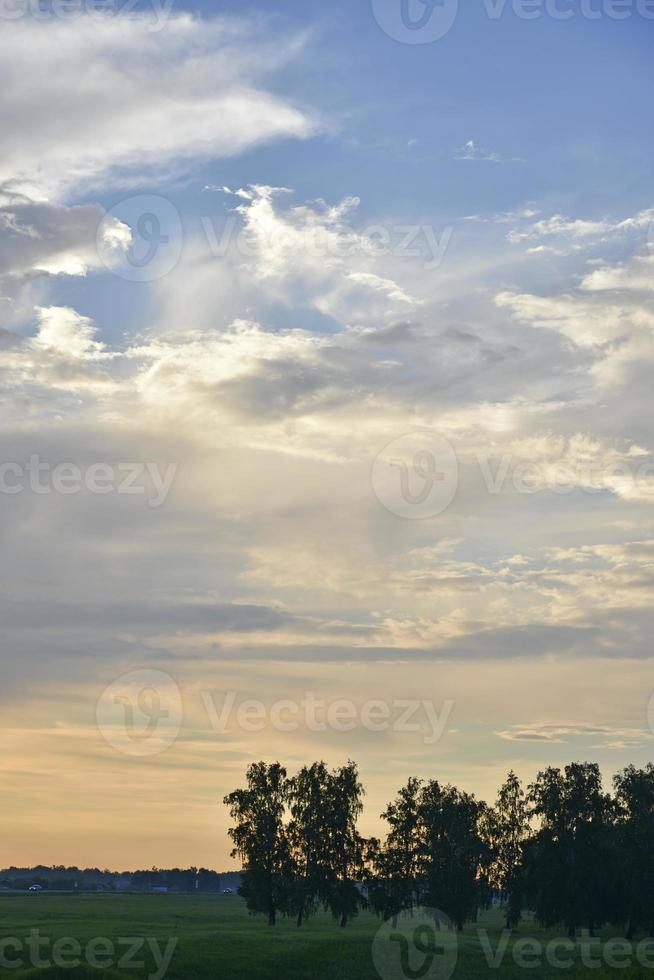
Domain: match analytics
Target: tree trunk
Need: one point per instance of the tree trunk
(343, 920)
(300, 918)
(272, 918)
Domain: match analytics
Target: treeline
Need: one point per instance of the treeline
(562, 847)
(60, 878)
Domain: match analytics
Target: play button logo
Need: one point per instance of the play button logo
(416, 21)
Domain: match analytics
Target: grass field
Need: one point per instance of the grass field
(218, 940)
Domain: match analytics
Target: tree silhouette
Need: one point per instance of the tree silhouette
(509, 823)
(260, 839)
(452, 850)
(635, 843)
(566, 850)
(308, 833)
(568, 855)
(346, 847)
(395, 884)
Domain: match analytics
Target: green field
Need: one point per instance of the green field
(217, 939)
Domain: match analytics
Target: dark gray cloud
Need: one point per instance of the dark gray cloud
(37, 235)
(156, 617)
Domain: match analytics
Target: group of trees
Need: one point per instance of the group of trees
(562, 847)
(73, 879)
(298, 840)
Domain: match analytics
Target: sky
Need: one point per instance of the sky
(326, 334)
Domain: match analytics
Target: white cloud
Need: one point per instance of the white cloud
(61, 362)
(308, 257)
(503, 217)
(472, 151)
(387, 286)
(66, 333)
(96, 97)
(557, 733)
(636, 274)
(558, 225)
(608, 313)
(51, 238)
(583, 320)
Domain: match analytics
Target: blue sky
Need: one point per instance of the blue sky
(569, 96)
(345, 347)
(564, 103)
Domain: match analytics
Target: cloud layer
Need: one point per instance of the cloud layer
(297, 337)
(151, 100)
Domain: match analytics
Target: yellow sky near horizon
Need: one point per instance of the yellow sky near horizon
(70, 797)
